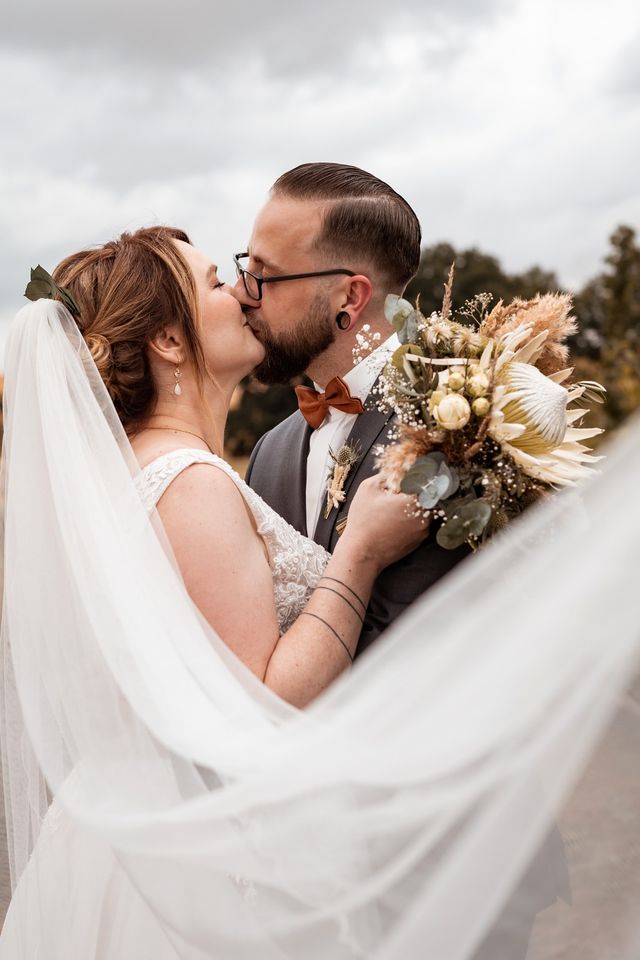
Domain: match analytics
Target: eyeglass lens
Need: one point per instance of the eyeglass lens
(251, 285)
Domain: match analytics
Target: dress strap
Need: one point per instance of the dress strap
(155, 477)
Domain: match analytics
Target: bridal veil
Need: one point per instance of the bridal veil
(161, 803)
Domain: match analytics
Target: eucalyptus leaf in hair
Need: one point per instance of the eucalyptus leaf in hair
(43, 286)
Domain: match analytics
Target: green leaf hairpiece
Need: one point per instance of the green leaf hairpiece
(43, 286)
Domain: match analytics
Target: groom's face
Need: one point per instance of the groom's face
(295, 318)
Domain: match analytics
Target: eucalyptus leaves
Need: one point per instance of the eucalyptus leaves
(430, 479)
(434, 483)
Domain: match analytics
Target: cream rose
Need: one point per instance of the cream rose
(436, 397)
(453, 412)
(478, 384)
(481, 407)
(456, 380)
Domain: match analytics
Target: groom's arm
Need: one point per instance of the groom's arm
(400, 584)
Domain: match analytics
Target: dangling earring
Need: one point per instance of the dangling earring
(343, 320)
(177, 374)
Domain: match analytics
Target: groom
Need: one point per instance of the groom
(328, 246)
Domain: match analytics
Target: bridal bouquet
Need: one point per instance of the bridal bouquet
(486, 416)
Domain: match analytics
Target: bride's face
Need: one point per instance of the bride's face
(229, 345)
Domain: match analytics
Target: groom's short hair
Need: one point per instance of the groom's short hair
(364, 217)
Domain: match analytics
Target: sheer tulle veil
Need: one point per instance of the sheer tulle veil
(162, 803)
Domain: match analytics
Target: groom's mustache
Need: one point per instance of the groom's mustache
(252, 320)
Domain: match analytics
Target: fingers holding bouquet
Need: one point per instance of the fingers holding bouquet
(387, 524)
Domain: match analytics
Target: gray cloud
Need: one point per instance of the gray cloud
(498, 130)
(138, 91)
(288, 37)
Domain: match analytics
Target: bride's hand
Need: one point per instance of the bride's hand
(382, 527)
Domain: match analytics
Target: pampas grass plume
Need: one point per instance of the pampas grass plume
(546, 311)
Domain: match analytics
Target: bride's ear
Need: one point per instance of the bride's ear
(168, 345)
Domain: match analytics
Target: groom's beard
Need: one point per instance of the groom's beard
(287, 355)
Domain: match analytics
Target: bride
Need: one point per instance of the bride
(155, 663)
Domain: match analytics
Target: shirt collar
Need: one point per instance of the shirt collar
(362, 376)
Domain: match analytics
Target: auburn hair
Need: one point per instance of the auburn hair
(127, 290)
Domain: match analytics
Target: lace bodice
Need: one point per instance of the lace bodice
(297, 563)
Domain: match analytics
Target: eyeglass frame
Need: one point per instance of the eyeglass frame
(241, 271)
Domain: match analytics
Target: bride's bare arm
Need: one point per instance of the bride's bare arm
(225, 569)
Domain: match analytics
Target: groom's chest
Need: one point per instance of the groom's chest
(363, 434)
(324, 445)
(282, 469)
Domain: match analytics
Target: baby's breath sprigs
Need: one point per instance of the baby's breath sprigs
(366, 343)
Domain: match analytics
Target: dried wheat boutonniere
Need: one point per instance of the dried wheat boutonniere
(343, 460)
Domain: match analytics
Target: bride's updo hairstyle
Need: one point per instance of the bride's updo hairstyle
(127, 290)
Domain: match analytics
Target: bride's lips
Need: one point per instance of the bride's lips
(247, 323)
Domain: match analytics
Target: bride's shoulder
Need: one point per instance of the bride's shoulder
(149, 449)
(202, 507)
(185, 478)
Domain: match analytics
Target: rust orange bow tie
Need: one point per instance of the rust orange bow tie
(314, 406)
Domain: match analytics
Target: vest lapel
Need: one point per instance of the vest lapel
(296, 471)
(364, 433)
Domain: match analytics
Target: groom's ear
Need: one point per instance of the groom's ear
(357, 293)
(168, 345)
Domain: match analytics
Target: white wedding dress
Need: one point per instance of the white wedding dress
(196, 815)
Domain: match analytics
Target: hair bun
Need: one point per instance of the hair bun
(100, 350)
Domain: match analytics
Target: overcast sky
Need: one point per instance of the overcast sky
(510, 124)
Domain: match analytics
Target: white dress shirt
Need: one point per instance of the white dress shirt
(335, 429)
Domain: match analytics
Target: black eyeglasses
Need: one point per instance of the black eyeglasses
(253, 283)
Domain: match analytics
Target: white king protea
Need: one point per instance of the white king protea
(531, 418)
(537, 404)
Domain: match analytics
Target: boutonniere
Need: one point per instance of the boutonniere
(343, 460)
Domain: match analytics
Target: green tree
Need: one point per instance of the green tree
(590, 308)
(608, 312)
(476, 272)
(258, 408)
(622, 285)
(621, 328)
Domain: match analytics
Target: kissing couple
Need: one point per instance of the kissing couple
(191, 769)
(172, 343)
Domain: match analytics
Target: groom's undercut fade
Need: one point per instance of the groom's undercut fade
(364, 217)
